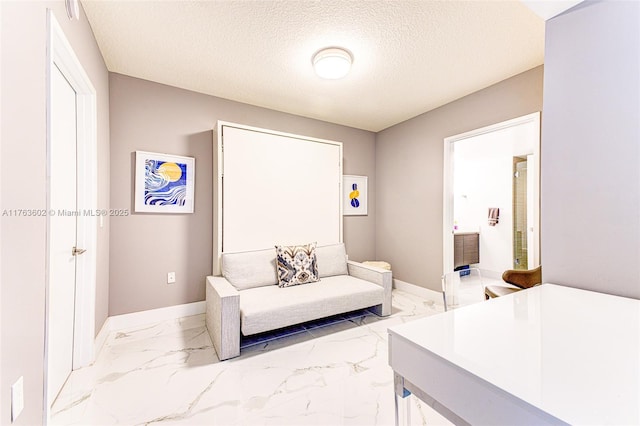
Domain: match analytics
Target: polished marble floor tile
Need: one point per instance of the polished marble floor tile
(330, 372)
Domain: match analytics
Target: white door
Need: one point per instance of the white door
(62, 267)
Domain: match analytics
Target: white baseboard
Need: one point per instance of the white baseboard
(152, 316)
(137, 319)
(423, 292)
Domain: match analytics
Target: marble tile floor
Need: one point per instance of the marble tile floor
(331, 372)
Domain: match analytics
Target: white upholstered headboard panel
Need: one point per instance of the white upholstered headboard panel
(275, 188)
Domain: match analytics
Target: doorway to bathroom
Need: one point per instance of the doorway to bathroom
(491, 189)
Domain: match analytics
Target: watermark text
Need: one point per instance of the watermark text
(64, 212)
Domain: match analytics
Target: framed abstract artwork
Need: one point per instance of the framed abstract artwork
(354, 199)
(164, 183)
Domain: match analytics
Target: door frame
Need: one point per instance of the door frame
(61, 55)
(447, 200)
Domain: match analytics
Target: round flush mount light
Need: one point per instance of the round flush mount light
(332, 63)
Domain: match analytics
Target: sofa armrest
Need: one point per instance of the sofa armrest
(379, 276)
(223, 317)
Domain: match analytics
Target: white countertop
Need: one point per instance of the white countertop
(465, 232)
(572, 353)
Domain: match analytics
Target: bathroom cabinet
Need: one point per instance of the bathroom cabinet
(466, 248)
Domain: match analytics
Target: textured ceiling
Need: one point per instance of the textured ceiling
(409, 56)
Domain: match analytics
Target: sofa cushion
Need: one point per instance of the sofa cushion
(296, 264)
(272, 307)
(249, 269)
(332, 260)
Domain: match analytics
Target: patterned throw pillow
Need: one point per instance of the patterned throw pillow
(296, 265)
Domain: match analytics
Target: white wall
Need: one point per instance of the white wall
(483, 178)
(154, 117)
(591, 148)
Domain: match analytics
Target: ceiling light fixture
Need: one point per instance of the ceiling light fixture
(332, 63)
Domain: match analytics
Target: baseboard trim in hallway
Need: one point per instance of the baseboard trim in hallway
(416, 290)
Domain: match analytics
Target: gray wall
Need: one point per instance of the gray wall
(24, 185)
(591, 149)
(409, 172)
(144, 247)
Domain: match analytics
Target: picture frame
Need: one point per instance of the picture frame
(164, 183)
(354, 199)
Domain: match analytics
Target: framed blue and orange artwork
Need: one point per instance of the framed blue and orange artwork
(164, 183)
(354, 199)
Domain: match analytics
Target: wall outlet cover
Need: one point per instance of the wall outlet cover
(171, 277)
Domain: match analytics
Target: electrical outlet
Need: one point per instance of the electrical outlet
(17, 398)
(171, 277)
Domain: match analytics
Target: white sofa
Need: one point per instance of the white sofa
(247, 298)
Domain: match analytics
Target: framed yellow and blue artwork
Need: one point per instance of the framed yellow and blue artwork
(354, 199)
(164, 183)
